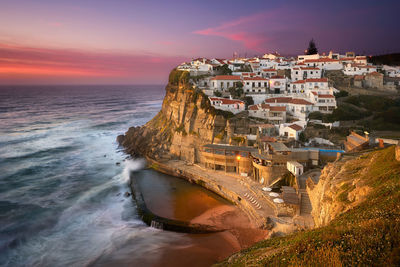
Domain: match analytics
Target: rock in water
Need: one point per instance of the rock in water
(127, 194)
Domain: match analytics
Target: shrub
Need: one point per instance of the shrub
(341, 94)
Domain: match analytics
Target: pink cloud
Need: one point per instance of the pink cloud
(241, 30)
(23, 64)
(289, 28)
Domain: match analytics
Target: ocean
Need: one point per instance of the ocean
(63, 179)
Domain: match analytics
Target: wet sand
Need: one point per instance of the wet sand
(211, 248)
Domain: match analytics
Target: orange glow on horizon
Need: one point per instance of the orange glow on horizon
(48, 71)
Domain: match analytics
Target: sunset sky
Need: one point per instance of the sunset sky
(139, 42)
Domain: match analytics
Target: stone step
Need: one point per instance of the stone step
(305, 207)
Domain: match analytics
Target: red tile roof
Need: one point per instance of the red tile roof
(226, 77)
(358, 77)
(254, 79)
(309, 68)
(299, 81)
(226, 101)
(299, 101)
(277, 77)
(326, 96)
(321, 60)
(268, 70)
(265, 106)
(253, 107)
(277, 108)
(375, 73)
(296, 127)
(320, 80)
(278, 100)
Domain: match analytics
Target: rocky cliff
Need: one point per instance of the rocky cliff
(339, 189)
(185, 122)
(356, 208)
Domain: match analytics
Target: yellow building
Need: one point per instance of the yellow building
(228, 158)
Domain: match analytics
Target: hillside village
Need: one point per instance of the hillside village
(284, 91)
(281, 101)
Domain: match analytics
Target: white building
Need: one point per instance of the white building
(358, 69)
(297, 87)
(296, 107)
(295, 168)
(236, 64)
(321, 86)
(274, 114)
(277, 84)
(233, 105)
(391, 71)
(324, 103)
(224, 82)
(302, 58)
(255, 85)
(268, 73)
(361, 60)
(290, 131)
(302, 73)
(324, 63)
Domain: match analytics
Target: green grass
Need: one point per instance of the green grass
(366, 235)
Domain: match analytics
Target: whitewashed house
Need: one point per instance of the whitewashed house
(277, 84)
(233, 105)
(274, 114)
(290, 131)
(391, 71)
(357, 69)
(362, 60)
(321, 86)
(302, 58)
(324, 103)
(255, 85)
(224, 82)
(302, 73)
(297, 87)
(324, 63)
(268, 73)
(295, 168)
(296, 107)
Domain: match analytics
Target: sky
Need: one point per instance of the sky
(139, 42)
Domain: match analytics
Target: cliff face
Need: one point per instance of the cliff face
(338, 190)
(185, 123)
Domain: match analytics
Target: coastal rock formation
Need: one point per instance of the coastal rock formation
(185, 122)
(339, 188)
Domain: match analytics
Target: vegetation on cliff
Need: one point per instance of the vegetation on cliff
(373, 112)
(368, 234)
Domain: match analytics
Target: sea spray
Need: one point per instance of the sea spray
(130, 166)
